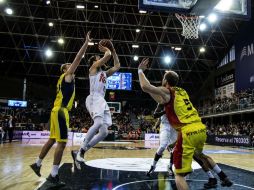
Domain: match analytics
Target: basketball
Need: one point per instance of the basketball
(106, 43)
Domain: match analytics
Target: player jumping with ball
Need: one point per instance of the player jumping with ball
(95, 102)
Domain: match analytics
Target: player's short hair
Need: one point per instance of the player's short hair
(91, 60)
(171, 77)
(63, 66)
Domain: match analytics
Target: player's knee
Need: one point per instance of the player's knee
(104, 132)
(98, 121)
(161, 150)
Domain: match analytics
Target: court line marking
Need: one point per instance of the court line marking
(133, 182)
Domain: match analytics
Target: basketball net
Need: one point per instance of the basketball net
(190, 25)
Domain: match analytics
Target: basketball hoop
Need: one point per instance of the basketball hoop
(190, 25)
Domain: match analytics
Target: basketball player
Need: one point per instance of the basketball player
(95, 102)
(172, 137)
(59, 118)
(185, 119)
(168, 136)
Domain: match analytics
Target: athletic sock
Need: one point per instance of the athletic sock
(38, 162)
(54, 170)
(210, 174)
(216, 169)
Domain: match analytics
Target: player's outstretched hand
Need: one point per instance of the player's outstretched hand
(144, 64)
(88, 39)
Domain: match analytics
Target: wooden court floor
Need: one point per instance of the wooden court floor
(16, 157)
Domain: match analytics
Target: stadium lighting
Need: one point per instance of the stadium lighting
(142, 12)
(48, 53)
(2, 1)
(96, 6)
(47, 2)
(224, 5)
(80, 6)
(137, 30)
(178, 48)
(90, 43)
(167, 59)
(135, 58)
(9, 11)
(202, 50)
(135, 46)
(51, 24)
(202, 27)
(212, 18)
(60, 40)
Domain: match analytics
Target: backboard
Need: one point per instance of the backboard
(239, 9)
(114, 107)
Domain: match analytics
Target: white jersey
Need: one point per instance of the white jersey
(164, 119)
(98, 84)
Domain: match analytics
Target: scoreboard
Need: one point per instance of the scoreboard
(120, 81)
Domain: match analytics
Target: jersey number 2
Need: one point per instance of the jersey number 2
(188, 104)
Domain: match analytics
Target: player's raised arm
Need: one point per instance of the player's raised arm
(116, 66)
(103, 60)
(78, 57)
(159, 94)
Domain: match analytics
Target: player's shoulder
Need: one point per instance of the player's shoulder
(179, 90)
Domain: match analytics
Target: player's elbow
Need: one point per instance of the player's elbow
(145, 88)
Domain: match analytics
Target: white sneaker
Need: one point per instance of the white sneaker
(77, 159)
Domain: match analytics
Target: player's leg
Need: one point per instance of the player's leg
(103, 130)
(36, 167)
(225, 181)
(191, 137)
(61, 138)
(172, 142)
(182, 158)
(164, 139)
(98, 122)
(212, 181)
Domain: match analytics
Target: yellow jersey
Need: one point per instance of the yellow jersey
(180, 110)
(65, 93)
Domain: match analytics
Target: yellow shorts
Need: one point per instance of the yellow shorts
(59, 124)
(190, 138)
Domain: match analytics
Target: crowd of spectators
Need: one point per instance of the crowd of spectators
(131, 124)
(237, 101)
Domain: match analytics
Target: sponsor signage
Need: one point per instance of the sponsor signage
(152, 137)
(36, 135)
(226, 78)
(229, 140)
(244, 47)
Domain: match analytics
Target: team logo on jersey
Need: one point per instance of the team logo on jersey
(102, 78)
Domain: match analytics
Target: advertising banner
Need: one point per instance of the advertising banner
(229, 140)
(152, 137)
(36, 135)
(244, 47)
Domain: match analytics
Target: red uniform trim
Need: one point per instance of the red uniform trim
(178, 152)
(170, 110)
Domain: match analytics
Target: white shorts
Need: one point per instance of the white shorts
(168, 135)
(98, 107)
